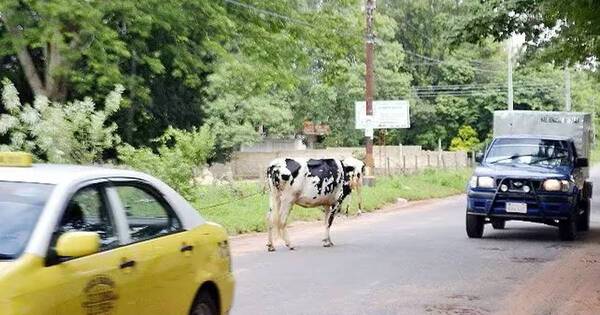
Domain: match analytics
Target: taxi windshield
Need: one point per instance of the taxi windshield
(20, 206)
(539, 152)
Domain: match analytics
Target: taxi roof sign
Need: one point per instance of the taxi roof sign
(15, 159)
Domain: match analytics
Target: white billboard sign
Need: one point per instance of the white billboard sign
(386, 115)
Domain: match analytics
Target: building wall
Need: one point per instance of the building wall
(389, 160)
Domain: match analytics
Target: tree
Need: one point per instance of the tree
(466, 140)
(75, 132)
(558, 30)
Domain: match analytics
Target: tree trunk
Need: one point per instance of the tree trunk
(55, 85)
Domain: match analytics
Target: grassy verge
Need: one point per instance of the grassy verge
(247, 211)
(595, 155)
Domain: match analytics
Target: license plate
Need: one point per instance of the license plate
(516, 207)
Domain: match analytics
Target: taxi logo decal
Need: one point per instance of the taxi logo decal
(100, 296)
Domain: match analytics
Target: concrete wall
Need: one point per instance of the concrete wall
(389, 160)
(273, 145)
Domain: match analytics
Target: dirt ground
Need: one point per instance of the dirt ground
(569, 285)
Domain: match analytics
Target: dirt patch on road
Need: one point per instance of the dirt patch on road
(569, 285)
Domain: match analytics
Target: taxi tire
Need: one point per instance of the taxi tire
(498, 224)
(583, 220)
(475, 225)
(567, 229)
(205, 304)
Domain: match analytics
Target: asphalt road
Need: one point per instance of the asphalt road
(414, 260)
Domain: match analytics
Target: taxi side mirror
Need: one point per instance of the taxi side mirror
(77, 244)
(479, 157)
(581, 162)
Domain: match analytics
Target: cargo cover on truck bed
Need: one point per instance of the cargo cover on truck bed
(574, 125)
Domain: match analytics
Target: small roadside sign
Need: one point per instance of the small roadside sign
(386, 115)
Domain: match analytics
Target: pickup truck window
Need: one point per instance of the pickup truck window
(539, 152)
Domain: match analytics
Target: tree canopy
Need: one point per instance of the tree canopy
(249, 68)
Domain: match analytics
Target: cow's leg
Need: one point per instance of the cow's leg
(270, 223)
(348, 202)
(285, 208)
(329, 215)
(274, 205)
(360, 199)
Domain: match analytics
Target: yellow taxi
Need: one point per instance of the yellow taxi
(100, 241)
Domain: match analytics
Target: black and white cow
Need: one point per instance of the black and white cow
(308, 183)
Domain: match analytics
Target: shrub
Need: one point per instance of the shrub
(177, 160)
(75, 132)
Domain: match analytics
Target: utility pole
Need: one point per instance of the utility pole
(510, 81)
(567, 88)
(370, 85)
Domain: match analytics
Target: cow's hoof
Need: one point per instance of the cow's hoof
(327, 243)
(270, 248)
(359, 212)
(291, 247)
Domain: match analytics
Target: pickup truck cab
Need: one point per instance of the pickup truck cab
(530, 178)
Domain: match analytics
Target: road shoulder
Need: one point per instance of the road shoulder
(569, 285)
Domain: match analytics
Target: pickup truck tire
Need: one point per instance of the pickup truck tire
(498, 224)
(583, 219)
(475, 225)
(567, 229)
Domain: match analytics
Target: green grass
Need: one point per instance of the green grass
(247, 209)
(595, 155)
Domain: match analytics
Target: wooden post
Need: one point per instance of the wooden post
(404, 163)
(428, 161)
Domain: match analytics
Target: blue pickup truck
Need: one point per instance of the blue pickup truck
(536, 170)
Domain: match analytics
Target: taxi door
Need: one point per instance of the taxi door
(163, 249)
(98, 284)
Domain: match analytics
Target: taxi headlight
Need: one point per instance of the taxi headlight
(486, 182)
(557, 185)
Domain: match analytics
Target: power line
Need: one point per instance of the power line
(269, 13)
(438, 61)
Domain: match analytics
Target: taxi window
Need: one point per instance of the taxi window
(20, 207)
(148, 215)
(87, 212)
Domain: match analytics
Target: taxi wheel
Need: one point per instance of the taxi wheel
(567, 229)
(498, 224)
(204, 305)
(475, 225)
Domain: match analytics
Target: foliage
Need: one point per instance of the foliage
(177, 160)
(253, 68)
(75, 132)
(555, 29)
(466, 140)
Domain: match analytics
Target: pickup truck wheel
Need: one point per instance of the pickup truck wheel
(567, 229)
(498, 224)
(475, 225)
(583, 219)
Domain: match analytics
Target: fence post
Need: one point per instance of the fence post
(387, 165)
(416, 162)
(403, 163)
(443, 162)
(428, 161)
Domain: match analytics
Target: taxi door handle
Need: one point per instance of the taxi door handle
(187, 248)
(128, 264)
